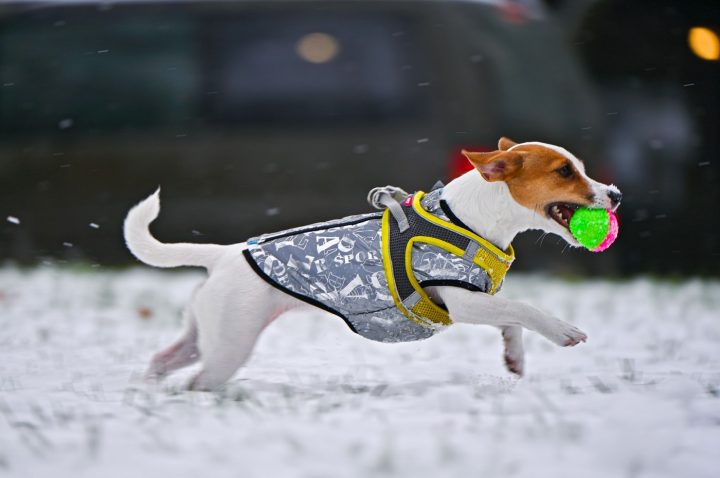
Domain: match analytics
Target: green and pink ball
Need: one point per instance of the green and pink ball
(594, 229)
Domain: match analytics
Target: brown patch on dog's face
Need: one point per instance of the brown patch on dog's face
(539, 178)
(548, 177)
(546, 180)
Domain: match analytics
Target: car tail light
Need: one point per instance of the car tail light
(459, 164)
(514, 12)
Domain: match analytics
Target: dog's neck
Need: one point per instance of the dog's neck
(488, 208)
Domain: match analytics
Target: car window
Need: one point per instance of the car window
(83, 69)
(312, 67)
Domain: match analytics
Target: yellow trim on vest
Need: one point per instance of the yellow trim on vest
(387, 265)
(425, 312)
(426, 307)
(491, 258)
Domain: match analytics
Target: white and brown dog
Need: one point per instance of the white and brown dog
(516, 188)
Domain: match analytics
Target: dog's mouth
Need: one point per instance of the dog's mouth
(562, 212)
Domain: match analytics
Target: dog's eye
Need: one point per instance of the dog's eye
(565, 171)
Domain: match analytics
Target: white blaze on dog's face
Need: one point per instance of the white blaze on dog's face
(546, 179)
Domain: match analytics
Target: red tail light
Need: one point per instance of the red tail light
(459, 164)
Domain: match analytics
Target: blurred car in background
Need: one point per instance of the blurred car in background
(256, 116)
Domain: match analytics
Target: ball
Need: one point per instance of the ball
(594, 229)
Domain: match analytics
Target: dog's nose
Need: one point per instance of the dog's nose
(615, 197)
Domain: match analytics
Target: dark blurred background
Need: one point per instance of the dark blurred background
(256, 116)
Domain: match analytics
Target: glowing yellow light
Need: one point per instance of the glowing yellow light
(317, 47)
(704, 43)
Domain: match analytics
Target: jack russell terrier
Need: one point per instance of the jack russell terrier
(402, 274)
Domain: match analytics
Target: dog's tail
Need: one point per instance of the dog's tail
(155, 253)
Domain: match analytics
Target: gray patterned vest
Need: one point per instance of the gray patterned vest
(338, 266)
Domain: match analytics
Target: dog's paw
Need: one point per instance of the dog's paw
(564, 334)
(514, 352)
(205, 381)
(515, 364)
(575, 337)
(154, 374)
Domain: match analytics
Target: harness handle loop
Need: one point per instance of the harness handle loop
(390, 197)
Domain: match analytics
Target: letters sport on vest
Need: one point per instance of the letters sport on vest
(370, 271)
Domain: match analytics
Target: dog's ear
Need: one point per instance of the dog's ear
(505, 143)
(496, 165)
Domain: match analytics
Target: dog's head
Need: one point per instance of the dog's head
(546, 179)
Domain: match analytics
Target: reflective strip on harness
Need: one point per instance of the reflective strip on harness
(397, 249)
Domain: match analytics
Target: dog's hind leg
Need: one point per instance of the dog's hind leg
(225, 348)
(232, 309)
(221, 362)
(514, 352)
(181, 353)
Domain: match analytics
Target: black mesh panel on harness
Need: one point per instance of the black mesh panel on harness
(399, 241)
(410, 224)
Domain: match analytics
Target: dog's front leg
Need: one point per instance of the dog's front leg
(514, 354)
(477, 308)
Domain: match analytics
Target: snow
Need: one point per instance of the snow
(640, 399)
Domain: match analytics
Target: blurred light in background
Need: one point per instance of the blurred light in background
(318, 47)
(704, 43)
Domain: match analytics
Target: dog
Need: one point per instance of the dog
(518, 187)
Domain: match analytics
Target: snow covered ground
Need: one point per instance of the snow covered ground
(640, 399)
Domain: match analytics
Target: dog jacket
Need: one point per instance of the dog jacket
(370, 269)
